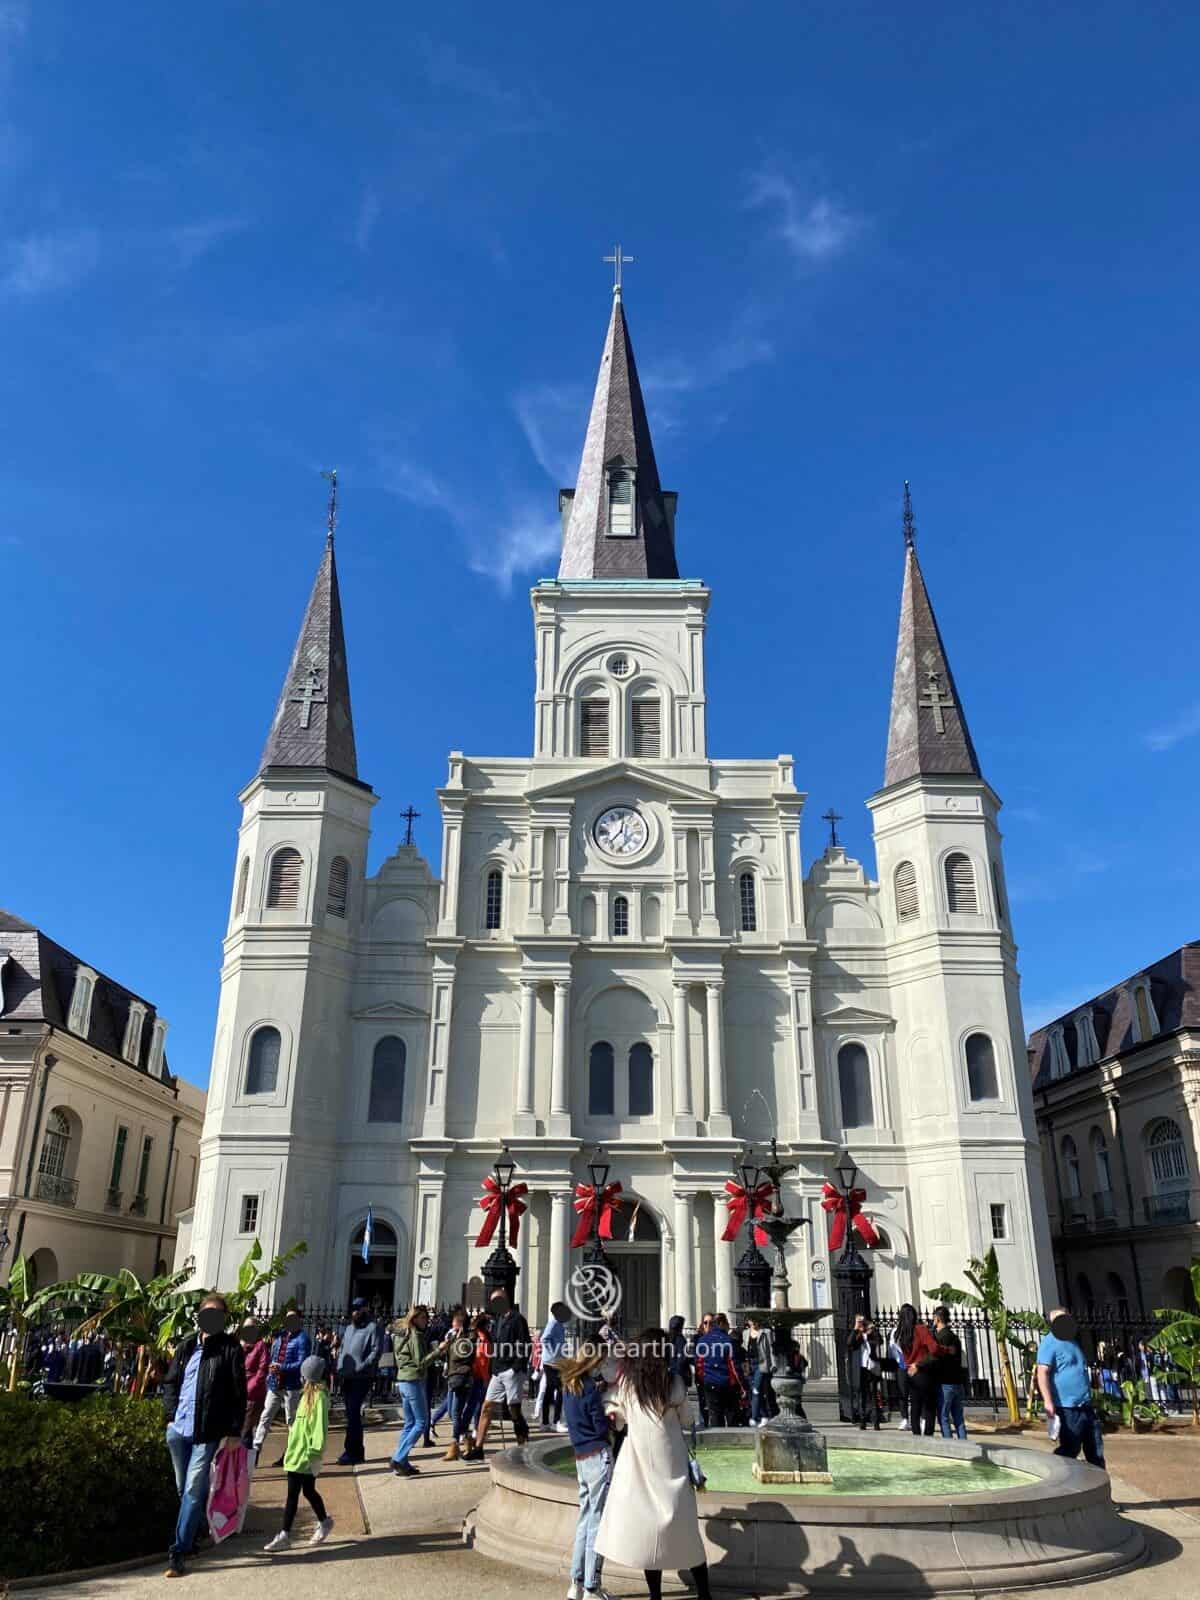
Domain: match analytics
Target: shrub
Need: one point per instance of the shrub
(82, 1485)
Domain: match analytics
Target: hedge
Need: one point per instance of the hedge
(82, 1485)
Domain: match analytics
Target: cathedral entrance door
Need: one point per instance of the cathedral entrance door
(374, 1280)
(637, 1262)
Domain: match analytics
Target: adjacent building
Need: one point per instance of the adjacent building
(1117, 1090)
(99, 1142)
(620, 947)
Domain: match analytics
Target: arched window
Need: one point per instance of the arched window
(1070, 1155)
(593, 727)
(882, 1238)
(1116, 1294)
(1168, 1158)
(641, 1080)
(620, 917)
(601, 1100)
(56, 1145)
(283, 881)
(982, 1082)
(997, 891)
(854, 1085)
(1083, 1288)
(747, 904)
(646, 727)
(243, 885)
(960, 883)
(587, 916)
(651, 917)
(338, 891)
(1100, 1161)
(494, 904)
(387, 1081)
(262, 1068)
(908, 901)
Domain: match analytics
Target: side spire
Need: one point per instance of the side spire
(618, 522)
(313, 725)
(928, 734)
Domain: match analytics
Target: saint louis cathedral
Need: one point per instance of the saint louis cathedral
(620, 948)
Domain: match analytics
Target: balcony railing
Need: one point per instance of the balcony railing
(1168, 1207)
(112, 1200)
(137, 1206)
(1104, 1208)
(58, 1191)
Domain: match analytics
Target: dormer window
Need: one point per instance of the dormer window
(131, 1047)
(1060, 1062)
(158, 1044)
(622, 522)
(1087, 1047)
(79, 1018)
(1145, 1022)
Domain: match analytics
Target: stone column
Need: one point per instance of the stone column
(525, 1120)
(525, 1290)
(684, 1114)
(685, 1265)
(560, 1232)
(560, 1099)
(723, 1256)
(718, 1107)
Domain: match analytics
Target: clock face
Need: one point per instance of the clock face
(621, 831)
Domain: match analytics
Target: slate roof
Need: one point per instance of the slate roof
(37, 979)
(618, 431)
(917, 745)
(1174, 989)
(313, 726)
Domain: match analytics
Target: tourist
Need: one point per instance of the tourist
(204, 1397)
(762, 1364)
(511, 1347)
(587, 1424)
(290, 1349)
(302, 1458)
(554, 1344)
(894, 1362)
(702, 1327)
(414, 1356)
(481, 1373)
(360, 1347)
(864, 1369)
(1062, 1378)
(951, 1375)
(650, 1518)
(920, 1354)
(681, 1367)
(460, 1375)
(439, 1327)
(257, 1356)
(717, 1375)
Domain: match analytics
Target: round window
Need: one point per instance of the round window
(619, 666)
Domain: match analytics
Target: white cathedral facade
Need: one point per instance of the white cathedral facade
(621, 949)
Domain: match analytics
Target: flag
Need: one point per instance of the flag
(368, 1232)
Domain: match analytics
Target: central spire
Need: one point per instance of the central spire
(618, 522)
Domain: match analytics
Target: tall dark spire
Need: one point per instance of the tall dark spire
(928, 734)
(618, 441)
(313, 726)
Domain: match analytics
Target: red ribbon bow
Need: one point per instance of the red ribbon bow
(490, 1202)
(835, 1202)
(585, 1204)
(756, 1202)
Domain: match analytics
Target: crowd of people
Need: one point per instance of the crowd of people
(925, 1362)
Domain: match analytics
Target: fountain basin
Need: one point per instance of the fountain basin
(1055, 1523)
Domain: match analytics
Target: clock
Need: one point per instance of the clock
(621, 831)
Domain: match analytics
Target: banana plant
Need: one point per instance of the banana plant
(1010, 1327)
(253, 1278)
(150, 1313)
(1180, 1339)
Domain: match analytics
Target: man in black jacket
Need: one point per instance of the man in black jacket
(204, 1394)
(511, 1349)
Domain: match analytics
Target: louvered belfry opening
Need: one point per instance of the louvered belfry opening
(908, 902)
(283, 883)
(339, 887)
(647, 728)
(620, 503)
(593, 728)
(960, 883)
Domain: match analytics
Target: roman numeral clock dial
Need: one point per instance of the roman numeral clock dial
(620, 831)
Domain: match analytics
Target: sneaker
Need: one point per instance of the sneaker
(281, 1541)
(561, 1427)
(575, 1592)
(902, 1425)
(405, 1469)
(322, 1531)
(349, 1461)
(596, 1594)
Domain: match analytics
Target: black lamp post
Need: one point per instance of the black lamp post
(500, 1269)
(753, 1270)
(598, 1170)
(852, 1284)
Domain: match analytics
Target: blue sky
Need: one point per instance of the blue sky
(242, 242)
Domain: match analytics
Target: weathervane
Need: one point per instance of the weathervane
(833, 817)
(409, 816)
(910, 527)
(618, 261)
(331, 479)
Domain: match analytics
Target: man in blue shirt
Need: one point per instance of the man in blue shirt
(554, 1350)
(290, 1349)
(1066, 1388)
(718, 1374)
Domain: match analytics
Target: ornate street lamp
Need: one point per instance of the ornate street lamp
(753, 1270)
(500, 1269)
(852, 1276)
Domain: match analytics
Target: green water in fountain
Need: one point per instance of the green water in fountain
(855, 1472)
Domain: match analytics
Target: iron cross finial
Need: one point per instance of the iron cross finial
(833, 817)
(910, 527)
(618, 261)
(409, 816)
(330, 477)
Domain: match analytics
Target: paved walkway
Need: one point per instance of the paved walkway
(403, 1536)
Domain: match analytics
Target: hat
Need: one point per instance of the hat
(313, 1370)
(358, 1305)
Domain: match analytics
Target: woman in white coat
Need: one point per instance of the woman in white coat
(650, 1518)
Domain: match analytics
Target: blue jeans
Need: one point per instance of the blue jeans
(473, 1405)
(1080, 1431)
(414, 1397)
(191, 1462)
(761, 1397)
(950, 1411)
(594, 1474)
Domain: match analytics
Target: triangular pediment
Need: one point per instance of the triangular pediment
(856, 1017)
(623, 771)
(391, 1011)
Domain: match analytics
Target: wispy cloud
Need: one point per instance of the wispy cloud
(57, 260)
(815, 228)
(189, 241)
(1058, 878)
(448, 70)
(552, 417)
(46, 263)
(14, 28)
(370, 209)
(525, 543)
(1185, 726)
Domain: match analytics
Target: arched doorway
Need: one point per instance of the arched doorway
(374, 1280)
(635, 1254)
(1177, 1290)
(45, 1267)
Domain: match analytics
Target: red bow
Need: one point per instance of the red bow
(585, 1204)
(755, 1202)
(835, 1202)
(490, 1202)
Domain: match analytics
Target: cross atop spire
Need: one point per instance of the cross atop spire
(910, 527)
(618, 260)
(331, 524)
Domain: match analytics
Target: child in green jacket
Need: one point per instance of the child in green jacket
(302, 1459)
